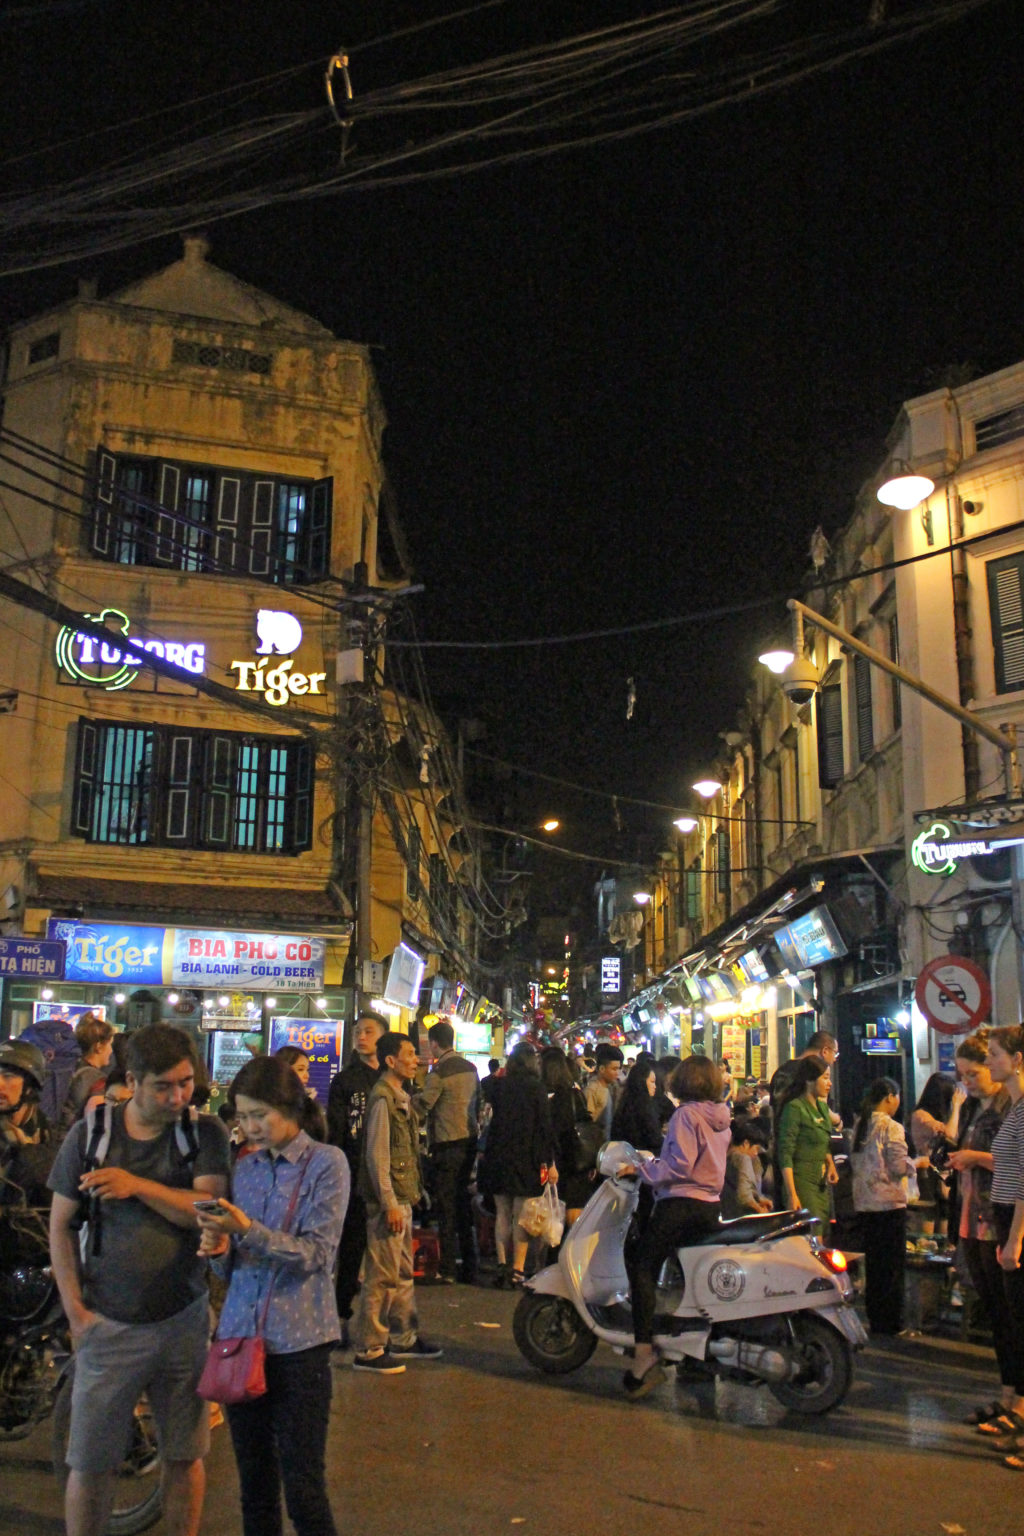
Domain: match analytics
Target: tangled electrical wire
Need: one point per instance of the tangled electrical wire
(632, 78)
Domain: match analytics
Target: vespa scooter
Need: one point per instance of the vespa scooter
(758, 1300)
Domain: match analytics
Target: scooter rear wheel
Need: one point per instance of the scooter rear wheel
(826, 1367)
(551, 1334)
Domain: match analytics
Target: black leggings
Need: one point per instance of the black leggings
(987, 1279)
(1013, 1290)
(673, 1224)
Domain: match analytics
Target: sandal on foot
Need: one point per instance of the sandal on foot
(639, 1386)
(984, 1413)
(1007, 1422)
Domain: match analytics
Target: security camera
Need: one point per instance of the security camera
(800, 681)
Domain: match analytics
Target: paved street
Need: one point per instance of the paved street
(478, 1443)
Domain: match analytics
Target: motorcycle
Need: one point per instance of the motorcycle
(34, 1345)
(36, 1374)
(758, 1300)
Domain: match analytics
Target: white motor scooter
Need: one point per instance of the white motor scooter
(759, 1299)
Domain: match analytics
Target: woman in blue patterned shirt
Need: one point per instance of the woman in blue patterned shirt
(1005, 1060)
(282, 1436)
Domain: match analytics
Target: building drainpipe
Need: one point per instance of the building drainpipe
(962, 638)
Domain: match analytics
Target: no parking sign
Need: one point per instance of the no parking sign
(953, 994)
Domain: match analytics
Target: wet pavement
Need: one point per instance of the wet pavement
(479, 1443)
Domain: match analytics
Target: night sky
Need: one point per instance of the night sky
(623, 383)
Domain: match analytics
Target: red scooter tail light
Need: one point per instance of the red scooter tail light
(833, 1259)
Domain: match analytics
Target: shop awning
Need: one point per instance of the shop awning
(279, 906)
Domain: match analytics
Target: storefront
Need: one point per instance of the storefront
(235, 990)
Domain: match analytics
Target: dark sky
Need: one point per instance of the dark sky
(625, 382)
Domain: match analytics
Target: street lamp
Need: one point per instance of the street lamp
(642, 898)
(777, 661)
(685, 823)
(707, 788)
(551, 825)
(905, 489)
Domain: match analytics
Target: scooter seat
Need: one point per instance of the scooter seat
(747, 1229)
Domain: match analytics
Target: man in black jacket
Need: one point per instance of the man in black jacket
(346, 1118)
(449, 1099)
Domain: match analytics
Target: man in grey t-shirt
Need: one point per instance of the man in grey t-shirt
(136, 1301)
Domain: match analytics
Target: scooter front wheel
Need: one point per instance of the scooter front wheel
(824, 1367)
(551, 1334)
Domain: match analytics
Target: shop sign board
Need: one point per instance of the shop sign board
(810, 940)
(611, 975)
(320, 1039)
(137, 956)
(953, 994)
(32, 959)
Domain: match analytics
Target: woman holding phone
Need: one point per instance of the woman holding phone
(276, 1241)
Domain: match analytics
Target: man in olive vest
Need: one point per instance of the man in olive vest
(389, 1182)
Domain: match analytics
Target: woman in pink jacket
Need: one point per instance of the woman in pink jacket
(687, 1181)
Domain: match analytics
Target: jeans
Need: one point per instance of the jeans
(673, 1224)
(884, 1235)
(281, 1438)
(453, 1169)
(387, 1306)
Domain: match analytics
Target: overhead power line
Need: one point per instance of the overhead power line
(597, 88)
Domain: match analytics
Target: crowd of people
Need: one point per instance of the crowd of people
(307, 1214)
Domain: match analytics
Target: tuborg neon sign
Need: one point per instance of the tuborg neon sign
(105, 664)
(938, 851)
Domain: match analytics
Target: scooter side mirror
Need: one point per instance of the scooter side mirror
(612, 1156)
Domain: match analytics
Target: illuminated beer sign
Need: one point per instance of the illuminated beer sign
(938, 851)
(115, 663)
(109, 665)
(279, 634)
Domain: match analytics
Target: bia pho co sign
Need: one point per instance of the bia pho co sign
(937, 851)
(112, 664)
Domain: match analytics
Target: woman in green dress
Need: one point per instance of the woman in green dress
(804, 1138)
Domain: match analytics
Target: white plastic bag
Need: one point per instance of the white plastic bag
(544, 1216)
(554, 1224)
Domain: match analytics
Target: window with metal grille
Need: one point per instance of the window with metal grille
(1004, 427)
(162, 786)
(1006, 607)
(197, 354)
(863, 706)
(201, 517)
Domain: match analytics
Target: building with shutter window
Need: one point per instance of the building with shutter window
(866, 832)
(197, 467)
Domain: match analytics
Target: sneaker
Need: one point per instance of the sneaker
(419, 1349)
(383, 1364)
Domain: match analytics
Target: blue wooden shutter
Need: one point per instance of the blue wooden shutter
(300, 770)
(179, 789)
(86, 760)
(317, 542)
(224, 553)
(166, 528)
(1006, 605)
(829, 712)
(262, 523)
(219, 791)
(101, 537)
(865, 712)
